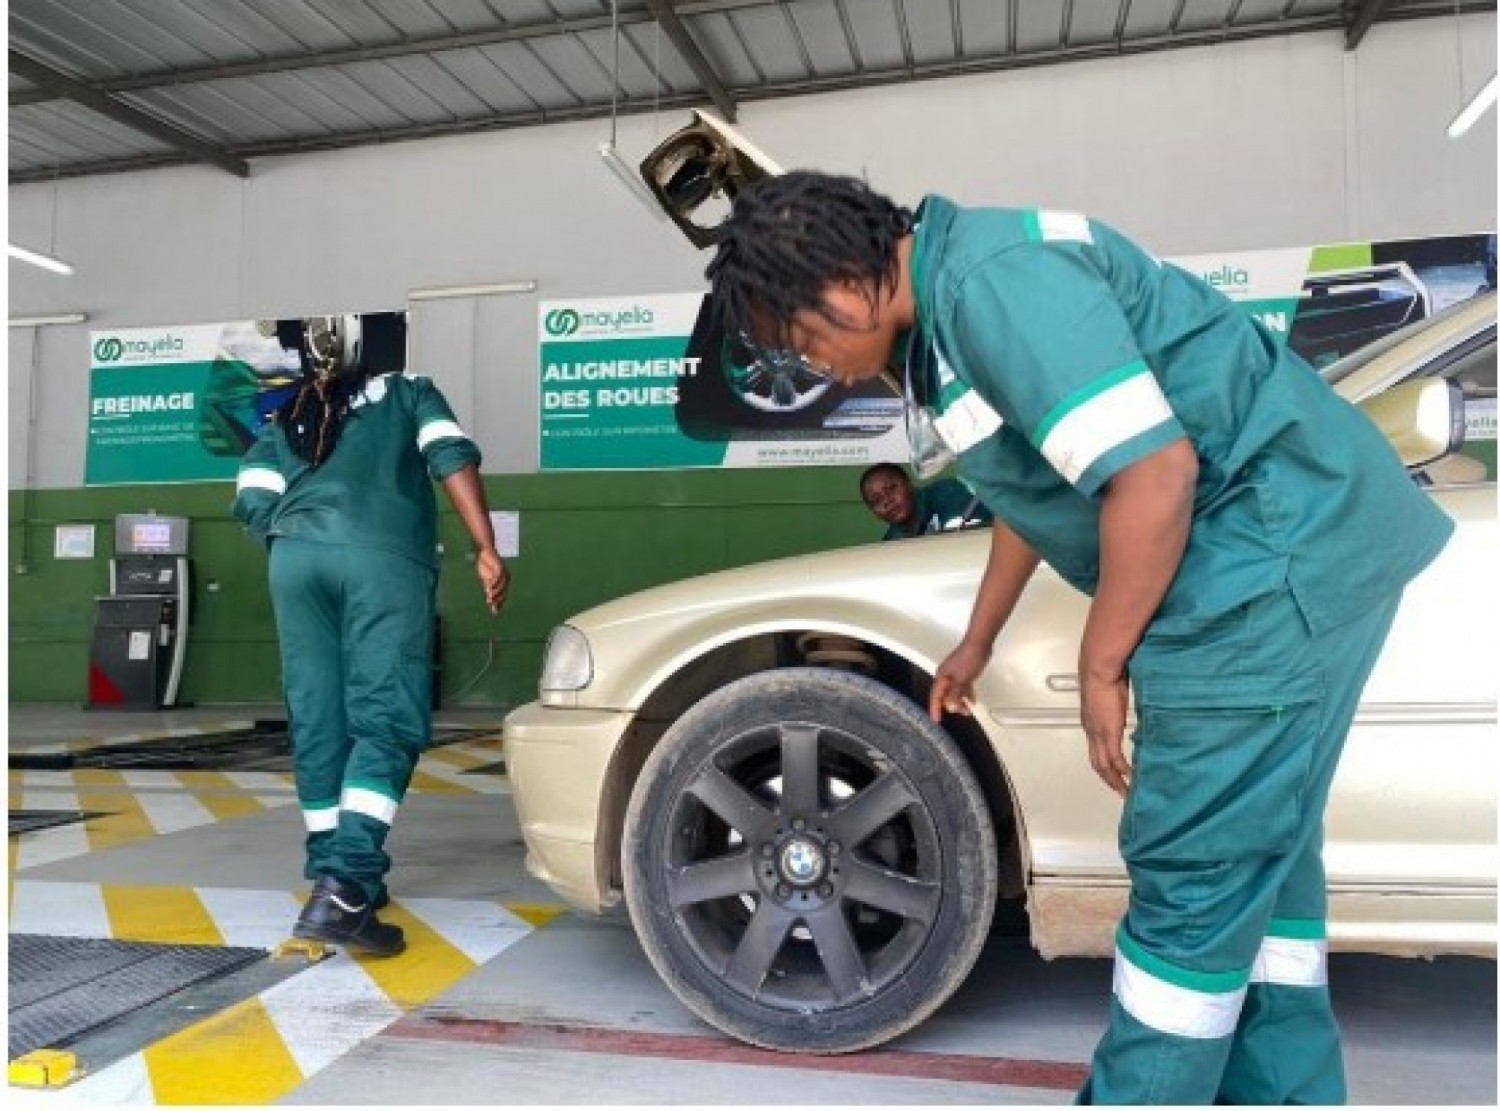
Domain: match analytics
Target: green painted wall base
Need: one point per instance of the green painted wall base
(585, 538)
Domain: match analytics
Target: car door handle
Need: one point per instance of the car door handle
(1063, 681)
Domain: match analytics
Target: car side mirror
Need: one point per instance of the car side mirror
(695, 173)
(1422, 419)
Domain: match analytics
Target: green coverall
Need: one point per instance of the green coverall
(939, 507)
(353, 576)
(1057, 353)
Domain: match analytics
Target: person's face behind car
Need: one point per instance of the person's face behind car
(889, 497)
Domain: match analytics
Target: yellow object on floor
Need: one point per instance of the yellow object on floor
(43, 1068)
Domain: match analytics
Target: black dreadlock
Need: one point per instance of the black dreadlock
(788, 237)
(314, 417)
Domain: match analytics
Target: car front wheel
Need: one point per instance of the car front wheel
(809, 862)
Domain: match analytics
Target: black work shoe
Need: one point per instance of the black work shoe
(339, 913)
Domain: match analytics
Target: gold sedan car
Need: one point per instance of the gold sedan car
(811, 864)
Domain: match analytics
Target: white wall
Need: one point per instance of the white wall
(1278, 142)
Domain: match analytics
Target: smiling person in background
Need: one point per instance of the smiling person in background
(946, 505)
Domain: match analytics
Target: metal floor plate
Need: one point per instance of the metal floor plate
(264, 747)
(62, 987)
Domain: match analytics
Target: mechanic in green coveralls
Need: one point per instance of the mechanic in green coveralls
(946, 505)
(339, 485)
(1245, 536)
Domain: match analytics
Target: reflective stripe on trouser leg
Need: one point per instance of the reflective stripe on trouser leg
(1214, 810)
(306, 590)
(1286, 1049)
(322, 821)
(1169, 1028)
(388, 679)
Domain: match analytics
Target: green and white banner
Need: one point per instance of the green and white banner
(183, 403)
(178, 404)
(1329, 301)
(620, 391)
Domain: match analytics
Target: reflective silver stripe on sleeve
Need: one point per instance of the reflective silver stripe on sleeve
(434, 431)
(260, 478)
(1104, 421)
(1064, 227)
(966, 418)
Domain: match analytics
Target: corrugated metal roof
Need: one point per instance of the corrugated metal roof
(105, 85)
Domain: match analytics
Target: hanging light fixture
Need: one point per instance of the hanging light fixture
(608, 151)
(48, 261)
(1474, 109)
(36, 258)
(1481, 100)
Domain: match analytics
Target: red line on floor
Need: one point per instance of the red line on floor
(1001, 1071)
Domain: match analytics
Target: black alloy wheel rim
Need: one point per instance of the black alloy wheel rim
(803, 869)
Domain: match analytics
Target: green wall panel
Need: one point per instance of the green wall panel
(585, 539)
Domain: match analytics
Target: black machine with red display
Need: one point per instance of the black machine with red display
(141, 626)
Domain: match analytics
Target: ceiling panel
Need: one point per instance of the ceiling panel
(929, 25)
(273, 76)
(873, 26)
(480, 72)
(1204, 15)
(986, 27)
(822, 34)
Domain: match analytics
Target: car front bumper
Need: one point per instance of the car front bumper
(558, 760)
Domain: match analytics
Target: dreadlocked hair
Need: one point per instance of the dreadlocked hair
(313, 418)
(788, 237)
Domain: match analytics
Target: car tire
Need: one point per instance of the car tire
(809, 862)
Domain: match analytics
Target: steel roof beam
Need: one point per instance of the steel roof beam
(702, 68)
(1364, 19)
(970, 64)
(60, 84)
(430, 44)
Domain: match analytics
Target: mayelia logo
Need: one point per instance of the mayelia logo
(561, 322)
(1227, 277)
(111, 349)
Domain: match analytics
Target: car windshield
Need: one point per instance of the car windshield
(1336, 372)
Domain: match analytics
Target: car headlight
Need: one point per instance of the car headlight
(568, 664)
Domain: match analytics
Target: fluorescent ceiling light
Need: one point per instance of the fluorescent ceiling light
(438, 292)
(1473, 110)
(46, 262)
(627, 174)
(50, 318)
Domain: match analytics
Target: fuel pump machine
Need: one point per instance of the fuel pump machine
(141, 626)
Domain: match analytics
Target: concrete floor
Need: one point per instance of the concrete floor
(505, 998)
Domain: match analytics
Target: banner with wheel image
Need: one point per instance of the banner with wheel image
(649, 382)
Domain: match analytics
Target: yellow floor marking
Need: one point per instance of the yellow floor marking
(200, 783)
(424, 781)
(171, 915)
(429, 967)
(236, 804)
(235, 1057)
(447, 754)
(124, 821)
(538, 914)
